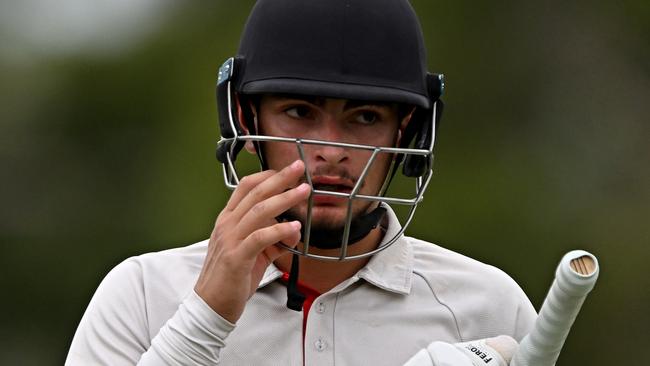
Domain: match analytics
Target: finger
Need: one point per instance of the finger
(245, 185)
(263, 212)
(275, 184)
(260, 239)
(482, 353)
(277, 250)
(505, 345)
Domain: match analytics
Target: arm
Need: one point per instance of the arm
(194, 335)
(114, 331)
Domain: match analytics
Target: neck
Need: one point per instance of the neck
(323, 275)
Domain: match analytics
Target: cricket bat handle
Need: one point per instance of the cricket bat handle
(575, 276)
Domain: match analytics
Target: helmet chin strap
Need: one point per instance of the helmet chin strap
(333, 238)
(360, 227)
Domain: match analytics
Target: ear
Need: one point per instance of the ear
(249, 146)
(402, 125)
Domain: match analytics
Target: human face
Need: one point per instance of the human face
(332, 168)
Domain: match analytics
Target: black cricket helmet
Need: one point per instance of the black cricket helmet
(352, 49)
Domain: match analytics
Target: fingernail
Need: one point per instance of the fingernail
(304, 187)
(296, 164)
(296, 225)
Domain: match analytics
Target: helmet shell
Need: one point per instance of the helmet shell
(353, 49)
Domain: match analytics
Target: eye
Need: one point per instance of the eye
(367, 117)
(300, 111)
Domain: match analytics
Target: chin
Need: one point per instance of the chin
(327, 217)
(322, 217)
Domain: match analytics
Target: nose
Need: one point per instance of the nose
(331, 154)
(331, 131)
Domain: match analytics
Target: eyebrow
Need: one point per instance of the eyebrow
(349, 104)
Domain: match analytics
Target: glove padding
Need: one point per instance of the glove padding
(495, 351)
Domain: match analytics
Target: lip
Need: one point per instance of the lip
(343, 186)
(332, 180)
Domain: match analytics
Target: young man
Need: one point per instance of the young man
(307, 263)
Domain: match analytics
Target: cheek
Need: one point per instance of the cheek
(278, 154)
(386, 136)
(377, 172)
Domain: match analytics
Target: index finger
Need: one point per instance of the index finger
(245, 185)
(275, 184)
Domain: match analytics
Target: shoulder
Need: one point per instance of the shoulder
(187, 258)
(158, 266)
(147, 270)
(167, 277)
(449, 268)
(132, 302)
(147, 288)
(473, 291)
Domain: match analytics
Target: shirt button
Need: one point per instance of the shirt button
(320, 345)
(320, 308)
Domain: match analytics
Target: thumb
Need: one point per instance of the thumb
(496, 351)
(505, 345)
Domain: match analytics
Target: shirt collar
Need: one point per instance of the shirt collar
(390, 269)
(271, 274)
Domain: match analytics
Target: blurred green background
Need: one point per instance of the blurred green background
(108, 129)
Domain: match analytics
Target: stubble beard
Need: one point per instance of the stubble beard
(326, 221)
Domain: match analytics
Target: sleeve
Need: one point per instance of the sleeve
(195, 335)
(114, 329)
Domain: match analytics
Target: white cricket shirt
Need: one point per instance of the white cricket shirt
(145, 312)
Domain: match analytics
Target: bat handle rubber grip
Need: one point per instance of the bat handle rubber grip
(575, 277)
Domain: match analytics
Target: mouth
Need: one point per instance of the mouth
(331, 184)
(332, 188)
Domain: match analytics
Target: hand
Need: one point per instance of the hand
(496, 351)
(490, 351)
(243, 242)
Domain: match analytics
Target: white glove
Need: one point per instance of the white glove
(495, 351)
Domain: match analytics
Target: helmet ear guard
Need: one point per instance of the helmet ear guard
(229, 124)
(427, 120)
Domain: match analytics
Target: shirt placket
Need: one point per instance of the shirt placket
(319, 333)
